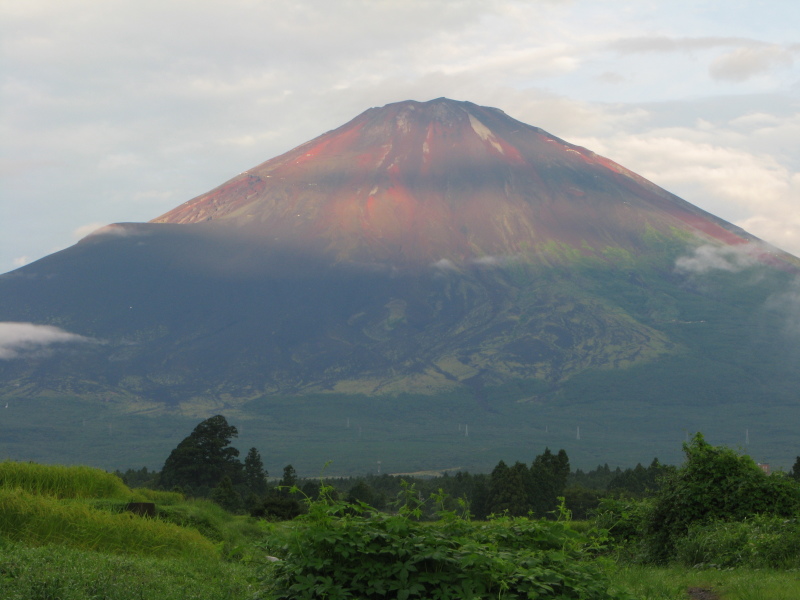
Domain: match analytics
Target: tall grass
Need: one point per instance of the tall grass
(40, 520)
(672, 583)
(56, 572)
(160, 497)
(62, 481)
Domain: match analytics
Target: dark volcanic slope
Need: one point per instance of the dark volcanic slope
(421, 247)
(418, 182)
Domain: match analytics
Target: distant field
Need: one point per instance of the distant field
(404, 434)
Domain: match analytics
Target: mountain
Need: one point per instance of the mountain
(413, 183)
(423, 265)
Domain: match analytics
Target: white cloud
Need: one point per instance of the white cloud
(117, 230)
(84, 230)
(21, 261)
(19, 340)
(723, 167)
(746, 62)
(444, 264)
(720, 258)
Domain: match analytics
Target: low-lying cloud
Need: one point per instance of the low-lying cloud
(720, 258)
(444, 264)
(21, 340)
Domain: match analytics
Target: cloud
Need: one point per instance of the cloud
(720, 258)
(494, 261)
(21, 261)
(787, 303)
(611, 77)
(20, 340)
(729, 168)
(444, 264)
(747, 62)
(88, 229)
(663, 43)
(115, 229)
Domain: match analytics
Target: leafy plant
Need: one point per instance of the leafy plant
(339, 550)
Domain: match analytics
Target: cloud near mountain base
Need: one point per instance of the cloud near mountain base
(724, 258)
(20, 340)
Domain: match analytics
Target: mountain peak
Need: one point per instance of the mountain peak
(417, 182)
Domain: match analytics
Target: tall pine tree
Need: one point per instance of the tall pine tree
(203, 458)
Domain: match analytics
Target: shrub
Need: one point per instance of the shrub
(714, 484)
(341, 550)
(623, 519)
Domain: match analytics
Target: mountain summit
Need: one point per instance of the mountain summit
(425, 181)
(424, 265)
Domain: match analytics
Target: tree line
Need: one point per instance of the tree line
(206, 465)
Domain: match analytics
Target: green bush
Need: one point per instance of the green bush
(341, 550)
(622, 518)
(714, 484)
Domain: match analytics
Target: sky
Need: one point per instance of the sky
(119, 110)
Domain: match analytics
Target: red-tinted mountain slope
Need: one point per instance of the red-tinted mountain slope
(420, 182)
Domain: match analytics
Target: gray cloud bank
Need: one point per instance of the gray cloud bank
(20, 340)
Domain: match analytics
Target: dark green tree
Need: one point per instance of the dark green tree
(640, 482)
(580, 501)
(509, 490)
(255, 477)
(361, 492)
(226, 496)
(203, 458)
(548, 475)
(795, 472)
(289, 479)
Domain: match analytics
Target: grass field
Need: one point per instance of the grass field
(63, 536)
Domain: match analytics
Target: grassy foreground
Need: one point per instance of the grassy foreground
(673, 583)
(54, 572)
(64, 534)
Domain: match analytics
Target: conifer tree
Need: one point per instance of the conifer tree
(255, 476)
(203, 458)
(548, 474)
